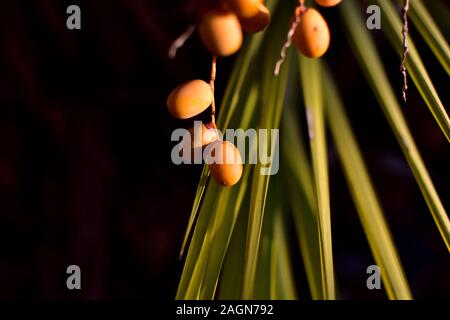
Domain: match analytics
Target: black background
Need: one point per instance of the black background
(85, 170)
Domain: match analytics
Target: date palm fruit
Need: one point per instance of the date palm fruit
(312, 36)
(189, 99)
(226, 168)
(258, 22)
(328, 3)
(245, 8)
(206, 135)
(197, 138)
(221, 32)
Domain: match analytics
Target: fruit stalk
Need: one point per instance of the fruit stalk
(179, 42)
(405, 48)
(298, 12)
(211, 84)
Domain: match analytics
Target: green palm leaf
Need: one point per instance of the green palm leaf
(363, 193)
(369, 61)
(430, 32)
(392, 27)
(239, 243)
(311, 72)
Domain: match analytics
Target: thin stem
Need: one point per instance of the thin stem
(405, 48)
(211, 84)
(179, 42)
(298, 12)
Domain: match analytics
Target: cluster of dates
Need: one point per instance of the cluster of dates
(220, 26)
(189, 100)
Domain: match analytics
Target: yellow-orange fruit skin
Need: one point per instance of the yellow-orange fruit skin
(226, 173)
(221, 32)
(312, 36)
(189, 99)
(328, 3)
(245, 8)
(257, 23)
(206, 136)
(197, 139)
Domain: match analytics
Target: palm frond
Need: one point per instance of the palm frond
(311, 75)
(370, 63)
(240, 245)
(302, 198)
(364, 196)
(428, 29)
(392, 28)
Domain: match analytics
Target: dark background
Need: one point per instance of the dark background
(85, 170)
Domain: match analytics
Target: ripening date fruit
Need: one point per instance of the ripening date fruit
(245, 8)
(328, 3)
(202, 135)
(312, 36)
(258, 22)
(227, 170)
(197, 138)
(189, 99)
(221, 32)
